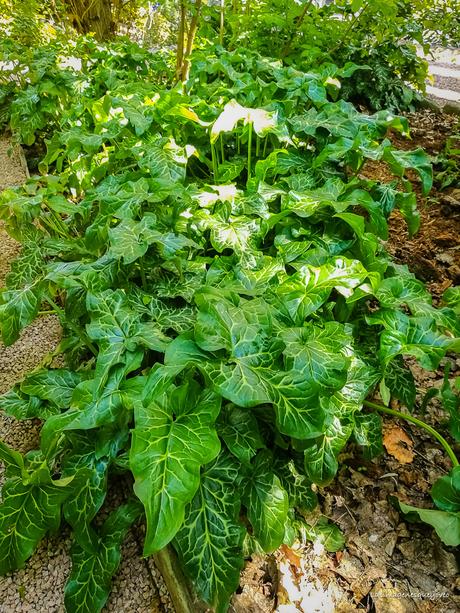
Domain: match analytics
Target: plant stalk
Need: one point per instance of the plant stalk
(264, 152)
(214, 161)
(60, 313)
(143, 277)
(249, 151)
(447, 448)
(222, 155)
(166, 562)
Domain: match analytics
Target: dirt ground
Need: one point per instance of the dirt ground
(388, 565)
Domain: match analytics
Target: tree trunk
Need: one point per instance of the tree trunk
(180, 41)
(191, 39)
(91, 16)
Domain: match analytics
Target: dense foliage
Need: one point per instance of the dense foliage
(382, 35)
(216, 257)
(385, 36)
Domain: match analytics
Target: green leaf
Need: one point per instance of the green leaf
(451, 298)
(396, 291)
(91, 478)
(296, 484)
(18, 309)
(113, 325)
(307, 203)
(407, 204)
(447, 525)
(295, 400)
(133, 112)
(91, 407)
(240, 432)
(10, 457)
(230, 170)
(418, 160)
(252, 373)
(164, 159)
(236, 234)
(361, 379)
(326, 533)
(210, 541)
(29, 264)
(55, 385)
(89, 583)
(446, 491)
(173, 436)
(21, 406)
(319, 353)
(417, 336)
(400, 381)
(320, 454)
(267, 504)
(130, 240)
(450, 398)
(307, 290)
(368, 434)
(30, 508)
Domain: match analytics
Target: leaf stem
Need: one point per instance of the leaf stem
(59, 222)
(447, 448)
(222, 148)
(249, 151)
(60, 313)
(214, 161)
(264, 152)
(143, 277)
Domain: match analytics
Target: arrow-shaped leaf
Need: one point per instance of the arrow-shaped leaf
(173, 436)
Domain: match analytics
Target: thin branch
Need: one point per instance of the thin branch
(350, 27)
(298, 23)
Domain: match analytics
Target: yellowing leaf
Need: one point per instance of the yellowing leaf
(398, 444)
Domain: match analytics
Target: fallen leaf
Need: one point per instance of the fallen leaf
(398, 444)
(291, 556)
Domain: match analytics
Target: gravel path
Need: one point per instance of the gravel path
(444, 87)
(38, 588)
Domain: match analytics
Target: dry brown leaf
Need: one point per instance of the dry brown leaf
(398, 444)
(291, 556)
